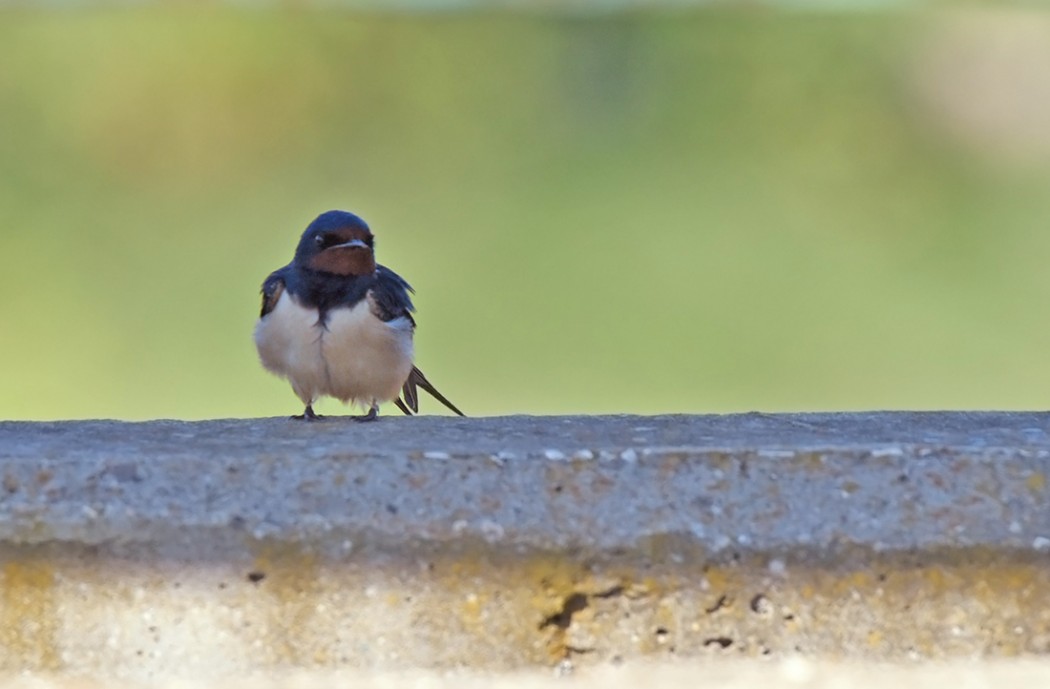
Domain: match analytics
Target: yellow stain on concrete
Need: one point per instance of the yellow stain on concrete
(292, 581)
(475, 608)
(479, 607)
(29, 619)
(851, 583)
(1036, 482)
(477, 604)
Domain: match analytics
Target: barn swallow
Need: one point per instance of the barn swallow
(336, 323)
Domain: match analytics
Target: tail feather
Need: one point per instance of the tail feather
(410, 405)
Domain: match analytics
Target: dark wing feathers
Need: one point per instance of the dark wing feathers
(411, 395)
(272, 290)
(408, 391)
(390, 296)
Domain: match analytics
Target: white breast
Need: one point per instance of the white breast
(368, 359)
(289, 343)
(355, 357)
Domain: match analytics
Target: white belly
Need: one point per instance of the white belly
(356, 358)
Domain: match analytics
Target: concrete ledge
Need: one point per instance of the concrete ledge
(210, 549)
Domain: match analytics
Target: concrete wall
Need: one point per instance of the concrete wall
(213, 549)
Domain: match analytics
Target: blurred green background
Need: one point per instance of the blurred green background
(690, 211)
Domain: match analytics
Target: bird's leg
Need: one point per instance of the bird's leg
(308, 414)
(370, 416)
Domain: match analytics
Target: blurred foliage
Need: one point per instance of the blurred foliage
(688, 212)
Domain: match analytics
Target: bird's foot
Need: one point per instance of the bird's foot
(308, 415)
(372, 415)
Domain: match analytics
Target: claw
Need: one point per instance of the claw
(372, 415)
(308, 414)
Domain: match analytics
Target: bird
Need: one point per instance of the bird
(335, 323)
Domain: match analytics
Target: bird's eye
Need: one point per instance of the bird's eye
(319, 240)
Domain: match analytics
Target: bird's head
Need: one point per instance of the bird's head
(338, 243)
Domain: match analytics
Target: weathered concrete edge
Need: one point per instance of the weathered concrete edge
(889, 481)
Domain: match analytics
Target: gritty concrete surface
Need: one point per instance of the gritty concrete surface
(156, 551)
(751, 481)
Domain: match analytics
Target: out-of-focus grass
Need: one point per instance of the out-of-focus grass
(687, 212)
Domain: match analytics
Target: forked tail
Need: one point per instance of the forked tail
(410, 405)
